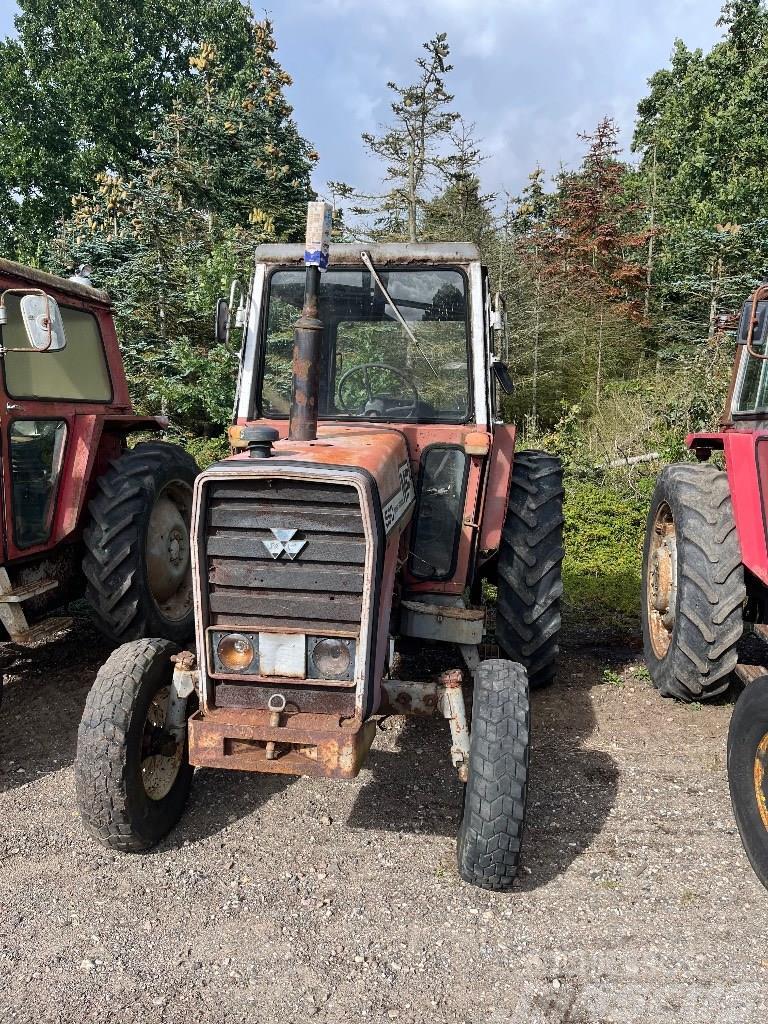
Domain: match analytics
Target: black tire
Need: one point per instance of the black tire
(114, 803)
(128, 592)
(530, 561)
(693, 584)
(491, 833)
(748, 772)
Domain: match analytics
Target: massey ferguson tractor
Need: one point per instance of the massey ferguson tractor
(372, 489)
(81, 512)
(706, 575)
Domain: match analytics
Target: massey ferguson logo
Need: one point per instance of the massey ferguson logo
(284, 544)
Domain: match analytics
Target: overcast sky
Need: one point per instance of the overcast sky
(531, 74)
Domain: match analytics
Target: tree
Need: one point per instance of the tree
(224, 170)
(84, 84)
(411, 146)
(703, 135)
(460, 212)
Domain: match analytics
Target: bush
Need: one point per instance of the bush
(604, 527)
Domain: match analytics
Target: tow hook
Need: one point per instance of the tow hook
(276, 705)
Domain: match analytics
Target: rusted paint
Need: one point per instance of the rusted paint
(304, 744)
(498, 482)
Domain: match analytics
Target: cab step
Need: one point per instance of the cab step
(43, 630)
(12, 614)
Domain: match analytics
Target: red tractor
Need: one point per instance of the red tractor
(325, 553)
(705, 575)
(80, 511)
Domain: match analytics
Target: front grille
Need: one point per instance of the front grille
(319, 590)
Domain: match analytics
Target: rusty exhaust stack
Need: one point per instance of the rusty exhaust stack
(308, 332)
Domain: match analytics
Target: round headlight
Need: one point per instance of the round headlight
(332, 658)
(235, 651)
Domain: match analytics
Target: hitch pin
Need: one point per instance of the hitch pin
(276, 704)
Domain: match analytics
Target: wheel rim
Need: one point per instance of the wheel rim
(169, 571)
(761, 763)
(161, 753)
(661, 582)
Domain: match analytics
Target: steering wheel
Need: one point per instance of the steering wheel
(404, 409)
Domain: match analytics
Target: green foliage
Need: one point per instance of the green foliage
(223, 171)
(84, 84)
(604, 525)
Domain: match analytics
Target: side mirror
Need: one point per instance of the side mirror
(503, 376)
(499, 313)
(224, 312)
(41, 317)
(221, 329)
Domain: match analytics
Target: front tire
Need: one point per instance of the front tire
(748, 773)
(693, 584)
(137, 560)
(530, 566)
(132, 778)
(491, 833)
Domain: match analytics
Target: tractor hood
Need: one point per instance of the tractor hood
(379, 454)
(296, 546)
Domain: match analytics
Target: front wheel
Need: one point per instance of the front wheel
(748, 773)
(132, 775)
(491, 830)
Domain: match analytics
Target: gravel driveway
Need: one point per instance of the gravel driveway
(295, 900)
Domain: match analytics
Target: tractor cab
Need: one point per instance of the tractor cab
(406, 344)
(65, 415)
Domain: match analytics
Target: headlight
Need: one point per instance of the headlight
(331, 657)
(235, 652)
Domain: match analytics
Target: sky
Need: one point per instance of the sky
(531, 74)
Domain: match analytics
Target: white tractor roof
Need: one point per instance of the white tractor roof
(381, 253)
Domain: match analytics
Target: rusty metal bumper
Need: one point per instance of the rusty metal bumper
(304, 744)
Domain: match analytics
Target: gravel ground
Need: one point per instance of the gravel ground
(295, 900)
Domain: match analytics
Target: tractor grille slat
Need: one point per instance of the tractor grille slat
(321, 588)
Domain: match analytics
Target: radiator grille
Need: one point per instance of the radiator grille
(319, 590)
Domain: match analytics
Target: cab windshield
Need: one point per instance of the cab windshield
(371, 367)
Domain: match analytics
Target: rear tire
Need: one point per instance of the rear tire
(490, 837)
(693, 584)
(748, 772)
(137, 560)
(530, 566)
(132, 782)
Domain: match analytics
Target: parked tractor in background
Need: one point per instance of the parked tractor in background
(320, 552)
(81, 513)
(705, 575)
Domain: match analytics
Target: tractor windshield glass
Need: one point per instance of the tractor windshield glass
(370, 367)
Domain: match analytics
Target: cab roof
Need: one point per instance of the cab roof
(381, 253)
(40, 278)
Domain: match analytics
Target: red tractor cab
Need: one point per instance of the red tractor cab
(81, 513)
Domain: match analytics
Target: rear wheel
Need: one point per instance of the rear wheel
(530, 566)
(748, 773)
(132, 775)
(693, 584)
(491, 832)
(137, 561)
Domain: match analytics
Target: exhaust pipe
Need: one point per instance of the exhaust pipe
(308, 332)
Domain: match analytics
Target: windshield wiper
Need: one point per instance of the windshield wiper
(399, 316)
